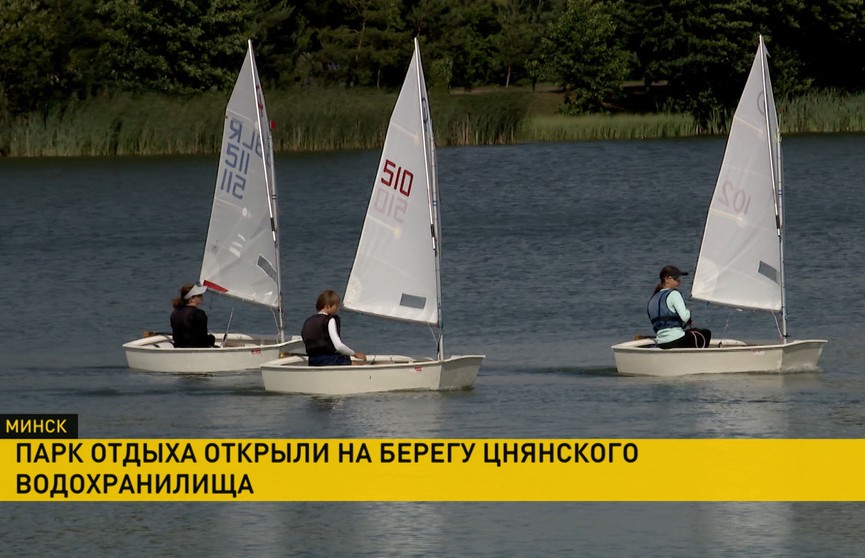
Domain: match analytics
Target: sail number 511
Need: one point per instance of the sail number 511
(734, 198)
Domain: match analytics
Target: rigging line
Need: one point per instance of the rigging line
(436, 338)
(727, 322)
(781, 334)
(227, 327)
(274, 312)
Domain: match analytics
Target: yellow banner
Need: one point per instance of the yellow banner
(653, 470)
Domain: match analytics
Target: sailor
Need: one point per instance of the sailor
(670, 317)
(188, 321)
(321, 334)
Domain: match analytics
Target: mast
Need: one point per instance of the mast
(269, 184)
(432, 181)
(773, 133)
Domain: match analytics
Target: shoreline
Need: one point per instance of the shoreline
(335, 120)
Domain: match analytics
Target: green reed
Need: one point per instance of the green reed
(329, 119)
(118, 125)
(826, 111)
(333, 119)
(603, 127)
(308, 120)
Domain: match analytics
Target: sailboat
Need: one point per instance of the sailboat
(396, 271)
(741, 261)
(241, 255)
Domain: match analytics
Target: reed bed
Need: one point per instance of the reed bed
(823, 112)
(333, 119)
(608, 127)
(328, 119)
(118, 125)
(320, 120)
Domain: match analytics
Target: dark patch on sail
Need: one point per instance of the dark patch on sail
(412, 301)
(767, 270)
(266, 267)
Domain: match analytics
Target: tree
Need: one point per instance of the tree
(172, 46)
(47, 46)
(367, 45)
(583, 54)
(824, 42)
(518, 40)
(469, 53)
(273, 35)
(702, 49)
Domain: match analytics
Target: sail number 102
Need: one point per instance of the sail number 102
(391, 200)
(734, 198)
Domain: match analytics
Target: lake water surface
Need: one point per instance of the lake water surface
(550, 252)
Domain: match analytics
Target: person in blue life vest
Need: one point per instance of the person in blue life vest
(188, 321)
(321, 332)
(670, 318)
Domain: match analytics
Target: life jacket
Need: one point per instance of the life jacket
(315, 335)
(660, 314)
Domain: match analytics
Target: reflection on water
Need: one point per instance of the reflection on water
(749, 529)
(437, 529)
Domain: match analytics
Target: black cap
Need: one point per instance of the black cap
(671, 271)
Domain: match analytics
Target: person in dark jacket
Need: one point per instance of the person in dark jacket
(321, 332)
(188, 321)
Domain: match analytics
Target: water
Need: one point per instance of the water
(549, 255)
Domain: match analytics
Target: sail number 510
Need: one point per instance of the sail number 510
(397, 177)
(386, 200)
(735, 198)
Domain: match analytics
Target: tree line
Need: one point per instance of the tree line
(684, 55)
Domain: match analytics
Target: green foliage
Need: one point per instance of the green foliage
(826, 40)
(44, 45)
(479, 119)
(583, 55)
(172, 46)
(469, 49)
(368, 44)
(702, 49)
(329, 118)
(518, 42)
(306, 120)
(119, 124)
(600, 126)
(822, 112)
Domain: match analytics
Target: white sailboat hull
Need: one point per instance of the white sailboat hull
(724, 356)
(384, 373)
(240, 352)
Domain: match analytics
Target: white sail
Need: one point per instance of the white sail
(740, 262)
(395, 271)
(241, 256)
